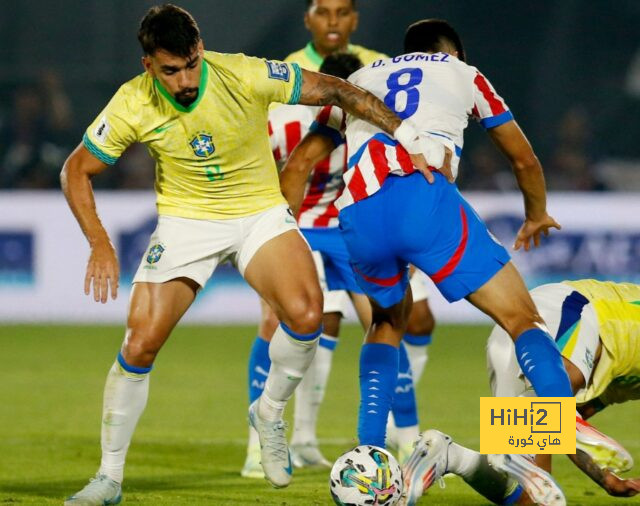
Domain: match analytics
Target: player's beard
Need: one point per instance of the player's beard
(187, 96)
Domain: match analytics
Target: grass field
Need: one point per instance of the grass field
(190, 442)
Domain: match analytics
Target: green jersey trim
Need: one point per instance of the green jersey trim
(97, 152)
(204, 75)
(312, 54)
(297, 84)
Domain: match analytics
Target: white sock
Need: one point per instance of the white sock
(254, 441)
(406, 435)
(418, 357)
(474, 468)
(290, 359)
(125, 396)
(310, 393)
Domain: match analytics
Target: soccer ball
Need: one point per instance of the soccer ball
(366, 475)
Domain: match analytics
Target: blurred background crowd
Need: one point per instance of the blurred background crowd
(569, 70)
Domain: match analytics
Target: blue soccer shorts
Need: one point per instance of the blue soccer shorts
(428, 225)
(335, 257)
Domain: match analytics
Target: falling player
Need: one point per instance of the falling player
(596, 325)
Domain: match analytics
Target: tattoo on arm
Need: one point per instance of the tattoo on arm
(589, 467)
(319, 89)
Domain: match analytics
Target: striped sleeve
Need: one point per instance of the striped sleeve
(284, 135)
(489, 108)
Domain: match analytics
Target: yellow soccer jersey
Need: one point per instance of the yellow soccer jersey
(213, 158)
(309, 59)
(617, 306)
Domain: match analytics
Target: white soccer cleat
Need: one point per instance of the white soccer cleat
(252, 467)
(308, 455)
(426, 465)
(274, 452)
(536, 482)
(607, 453)
(101, 491)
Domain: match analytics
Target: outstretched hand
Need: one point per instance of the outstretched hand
(619, 487)
(103, 272)
(531, 230)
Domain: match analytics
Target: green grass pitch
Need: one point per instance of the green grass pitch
(190, 442)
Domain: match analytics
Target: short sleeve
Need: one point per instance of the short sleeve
(112, 131)
(330, 122)
(488, 107)
(285, 131)
(275, 81)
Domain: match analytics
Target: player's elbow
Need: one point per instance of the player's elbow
(525, 162)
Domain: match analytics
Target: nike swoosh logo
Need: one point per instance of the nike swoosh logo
(161, 129)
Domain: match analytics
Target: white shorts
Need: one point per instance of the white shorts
(578, 341)
(335, 301)
(191, 248)
(419, 285)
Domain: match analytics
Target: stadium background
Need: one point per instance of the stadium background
(570, 71)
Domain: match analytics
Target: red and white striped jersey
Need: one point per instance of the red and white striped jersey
(287, 125)
(438, 92)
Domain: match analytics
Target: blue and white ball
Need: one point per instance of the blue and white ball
(366, 475)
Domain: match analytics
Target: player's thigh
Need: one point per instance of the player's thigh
(505, 299)
(363, 308)
(283, 273)
(154, 310)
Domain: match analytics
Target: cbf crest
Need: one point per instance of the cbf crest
(155, 252)
(202, 145)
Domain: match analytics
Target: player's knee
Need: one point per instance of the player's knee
(421, 327)
(304, 315)
(421, 320)
(139, 348)
(516, 322)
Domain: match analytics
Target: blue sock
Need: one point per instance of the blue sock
(541, 363)
(404, 408)
(259, 365)
(378, 378)
(417, 340)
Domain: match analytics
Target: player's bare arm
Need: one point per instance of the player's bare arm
(307, 154)
(528, 172)
(102, 269)
(321, 89)
(613, 484)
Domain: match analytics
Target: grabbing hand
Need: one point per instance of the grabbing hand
(103, 272)
(422, 165)
(531, 229)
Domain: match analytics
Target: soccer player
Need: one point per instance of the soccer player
(596, 325)
(390, 216)
(203, 117)
(331, 23)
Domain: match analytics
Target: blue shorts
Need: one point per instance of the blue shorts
(428, 225)
(335, 257)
